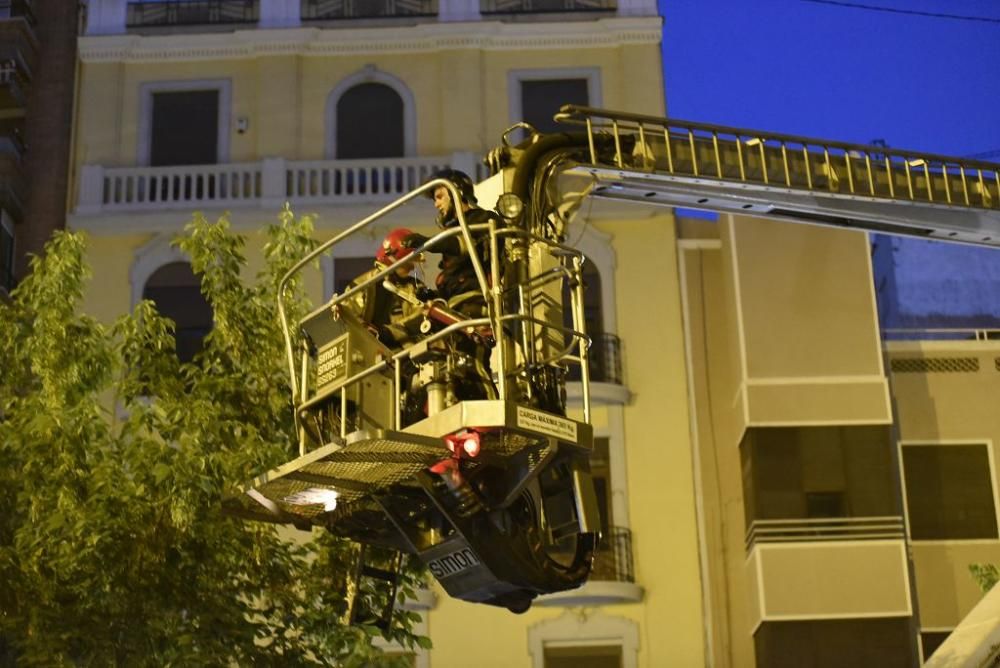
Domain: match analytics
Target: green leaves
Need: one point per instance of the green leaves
(985, 575)
(114, 458)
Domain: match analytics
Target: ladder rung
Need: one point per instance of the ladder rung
(751, 157)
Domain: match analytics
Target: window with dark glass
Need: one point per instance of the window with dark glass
(604, 349)
(835, 643)
(600, 471)
(346, 269)
(370, 123)
(931, 640)
(176, 292)
(583, 656)
(541, 99)
(949, 492)
(185, 128)
(818, 473)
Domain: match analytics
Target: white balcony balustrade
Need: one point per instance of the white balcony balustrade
(359, 180)
(266, 183)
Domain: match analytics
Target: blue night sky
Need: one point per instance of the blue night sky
(837, 70)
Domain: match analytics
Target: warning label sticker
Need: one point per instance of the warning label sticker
(550, 425)
(331, 364)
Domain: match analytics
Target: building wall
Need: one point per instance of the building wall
(463, 81)
(941, 405)
(460, 103)
(462, 96)
(783, 349)
(658, 439)
(730, 330)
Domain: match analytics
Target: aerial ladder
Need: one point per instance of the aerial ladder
(491, 490)
(874, 188)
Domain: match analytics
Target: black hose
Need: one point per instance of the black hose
(527, 165)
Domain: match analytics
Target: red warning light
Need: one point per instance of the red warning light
(465, 443)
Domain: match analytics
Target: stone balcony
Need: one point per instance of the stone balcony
(827, 568)
(267, 183)
(18, 52)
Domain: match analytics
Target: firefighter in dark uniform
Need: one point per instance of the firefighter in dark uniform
(457, 282)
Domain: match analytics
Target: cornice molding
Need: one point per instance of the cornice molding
(424, 37)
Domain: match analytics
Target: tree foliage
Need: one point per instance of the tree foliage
(985, 575)
(114, 461)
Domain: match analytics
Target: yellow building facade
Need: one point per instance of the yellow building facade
(754, 441)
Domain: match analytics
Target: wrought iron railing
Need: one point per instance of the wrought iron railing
(325, 10)
(12, 9)
(824, 530)
(940, 334)
(191, 12)
(613, 557)
(605, 356)
(545, 6)
(11, 145)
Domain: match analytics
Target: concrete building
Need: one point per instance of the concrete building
(846, 475)
(779, 485)
(37, 74)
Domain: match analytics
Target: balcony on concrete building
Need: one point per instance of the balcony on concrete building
(332, 10)
(112, 17)
(605, 360)
(829, 568)
(17, 9)
(267, 183)
(12, 183)
(612, 577)
(499, 7)
(18, 52)
(168, 13)
(607, 384)
(939, 334)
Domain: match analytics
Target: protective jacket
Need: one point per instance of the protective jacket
(395, 320)
(458, 276)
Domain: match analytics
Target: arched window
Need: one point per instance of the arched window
(370, 123)
(176, 291)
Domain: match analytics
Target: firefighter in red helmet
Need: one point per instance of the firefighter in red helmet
(392, 318)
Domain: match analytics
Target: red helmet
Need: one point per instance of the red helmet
(392, 248)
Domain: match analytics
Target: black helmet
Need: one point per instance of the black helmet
(461, 181)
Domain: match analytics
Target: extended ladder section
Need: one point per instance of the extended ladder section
(697, 165)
